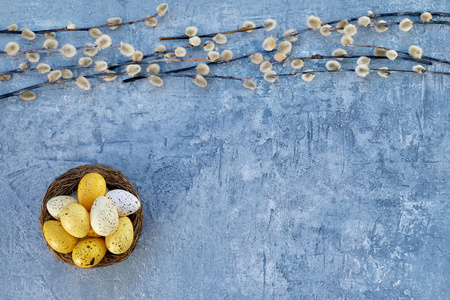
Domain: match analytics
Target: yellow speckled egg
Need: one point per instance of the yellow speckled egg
(75, 220)
(89, 252)
(122, 238)
(58, 238)
(104, 216)
(91, 186)
(91, 233)
(56, 204)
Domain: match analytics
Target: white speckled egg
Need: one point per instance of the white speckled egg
(104, 216)
(56, 204)
(125, 202)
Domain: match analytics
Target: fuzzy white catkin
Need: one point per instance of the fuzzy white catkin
(314, 22)
(191, 31)
(213, 55)
(350, 30)
(110, 77)
(270, 76)
(226, 55)
(308, 76)
(28, 34)
(137, 56)
(380, 27)
(66, 74)
(156, 80)
(285, 47)
(43, 68)
(200, 81)
(405, 25)
(249, 25)
(250, 84)
(24, 66)
(363, 60)
(180, 52)
(195, 41)
(269, 44)
(54, 75)
(364, 21)
(339, 52)
(126, 49)
(426, 17)
(288, 37)
(269, 24)
(104, 41)
(50, 35)
(50, 44)
(324, 30)
(151, 22)
(279, 57)
(202, 69)
(346, 40)
(419, 69)
(297, 63)
(91, 52)
(95, 32)
(257, 58)
(160, 48)
(265, 66)
(85, 61)
(362, 70)
(332, 65)
(209, 46)
(220, 39)
(383, 73)
(68, 50)
(28, 95)
(101, 66)
(153, 69)
(415, 51)
(379, 52)
(114, 21)
(342, 24)
(83, 83)
(162, 9)
(12, 48)
(70, 26)
(391, 54)
(33, 57)
(12, 27)
(133, 69)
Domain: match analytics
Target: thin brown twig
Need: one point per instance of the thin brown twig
(185, 37)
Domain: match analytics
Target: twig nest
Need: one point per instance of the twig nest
(28, 34)
(269, 44)
(339, 52)
(200, 81)
(265, 66)
(151, 22)
(405, 24)
(379, 51)
(66, 74)
(363, 60)
(91, 51)
(104, 41)
(85, 61)
(162, 9)
(306, 76)
(24, 66)
(70, 26)
(426, 17)
(269, 24)
(314, 22)
(100, 66)
(50, 44)
(95, 32)
(12, 27)
(279, 57)
(180, 52)
(250, 84)
(213, 55)
(415, 51)
(226, 55)
(209, 46)
(33, 57)
(362, 70)
(43, 68)
(285, 47)
(133, 69)
(249, 25)
(346, 40)
(54, 75)
(191, 31)
(419, 69)
(114, 21)
(12, 48)
(50, 35)
(333, 65)
(391, 54)
(381, 26)
(83, 83)
(383, 73)
(341, 24)
(202, 69)
(324, 30)
(297, 63)
(110, 77)
(289, 35)
(270, 76)
(350, 30)
(256, 58)
(28, 95)
(126, 49)
(195, 41)
(156, 80)
(153, 69)
(160, 48)
(220, 38)
(364, 21)
(137, 56)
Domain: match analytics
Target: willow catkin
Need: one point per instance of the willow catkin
(156, 80)
(324, 30)
(100, 66)
(415, 51)
(290, 36)
(95, 32)
(151, 22)
(162, 9)
(269, 44)
(270, 76)
(137, 56)
(269, 24)
(333, 65)
(383, 73)
(220, 38)
(180, 52)
(153, 69)
(250, 84)
(54, 75)
(297, 63)
(226, 55)
(66, 74)
(314, 22)
(28, 34)
(114, 21)
(191, 31)
(43, 68)
(91, 51)
(200, 81)
(363, 60)
(68, 50)
(285, 47)
(133, 70)
(126, 49)
(12, 48)
(362, 70)
(202, 69)
(83, 83)
(308, 76)
(33, 57)
(28, 95)
(104, 41)
(256, 58)
(50, 44)
(249, 25)
(85, 61)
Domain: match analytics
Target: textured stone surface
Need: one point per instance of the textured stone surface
(333, 189)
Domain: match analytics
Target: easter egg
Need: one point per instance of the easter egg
(125, 202)
(89, 252)
(56, 204)
(121, 240)
(104, 216)
(91, 186)
(57, 237)
(75, 220)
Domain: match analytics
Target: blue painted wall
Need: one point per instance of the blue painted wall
(333, 189)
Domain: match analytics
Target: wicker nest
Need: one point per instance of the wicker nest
(67, 184)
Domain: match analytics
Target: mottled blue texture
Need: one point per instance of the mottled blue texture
(333, 189)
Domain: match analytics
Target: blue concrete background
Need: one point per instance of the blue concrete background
(333, 189)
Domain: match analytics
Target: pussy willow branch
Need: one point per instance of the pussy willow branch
(54, 50)
(185, 37)
(318, 56)
(401, 52)
(353, 70)
(82, 28)
(387, 24)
